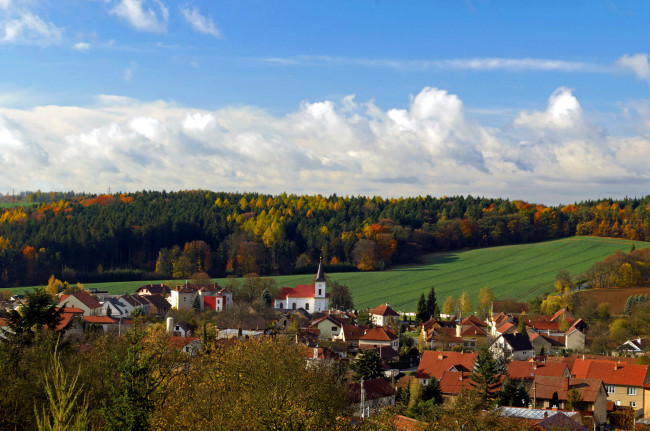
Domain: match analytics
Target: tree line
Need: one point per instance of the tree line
(144, 235)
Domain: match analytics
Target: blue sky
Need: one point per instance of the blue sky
(542, 101)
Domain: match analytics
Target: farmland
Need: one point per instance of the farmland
(518, 271)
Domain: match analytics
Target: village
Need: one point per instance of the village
(540, 359)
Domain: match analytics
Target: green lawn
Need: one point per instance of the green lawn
(516, 271)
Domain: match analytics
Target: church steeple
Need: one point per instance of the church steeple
(320, 275)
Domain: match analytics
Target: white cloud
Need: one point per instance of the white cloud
(563, 112)
(23, 27)
(5, 4)
(200, 23)
(129, 72)
(346, 147)
(141, 16)
(637, 63)
(81, 46)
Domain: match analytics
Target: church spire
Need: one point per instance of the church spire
(320, 275)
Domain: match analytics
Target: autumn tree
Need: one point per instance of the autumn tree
(365, 254)
(449, 306)
(485, 298)
(464, 305)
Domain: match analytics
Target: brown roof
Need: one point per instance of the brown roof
(403, 423)
(473, 331)
(157, 301)
(84, 298)
(386, 353)
(473, 320)
(352, 332)
(527, 370)
(452, 382)
(554, 341)
(383, 310)
(379, 334)
(545, 386)
(376, 388)
(436, 363)
(99, 319)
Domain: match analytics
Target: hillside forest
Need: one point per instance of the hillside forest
(153, 235)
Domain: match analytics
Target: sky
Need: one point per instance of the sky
(547, 102)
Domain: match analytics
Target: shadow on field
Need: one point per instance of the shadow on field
(429, 265)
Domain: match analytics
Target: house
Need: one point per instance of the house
(545, 420)
(212, 297)
(158, 306)
(188, 345)
(82, 300)
(624, 383)
(549, 343)
(375, 337)
(311, 297)
(134, 304)
(383, 315)
(328, 326)
(574, 337)
(182, 297)
(636, 347)
(435, 364)
(441, 338)
(473, 332)
(525, 371)
(70, 323)
(513, 347)
(371, 396)
(592, 392)
(154, 289)
(181, 329)
(351, 335)
(114, 308)
(323, 355)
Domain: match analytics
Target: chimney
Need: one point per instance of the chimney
(534, 365)
(460, 376)
(441, 356)
(616, 366)
(315, 352)
(583, 357)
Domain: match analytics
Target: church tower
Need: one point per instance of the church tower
(319, 286)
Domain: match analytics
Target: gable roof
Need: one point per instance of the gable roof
(84, 298)
(553, 341)
(473, 320)
(452, 382)
(351, 332)
(473, 331)
(383, 310)
(100, 319)
(545, 386)
(517, 341)
(379, 334)
(157, 301)
(558, 314)
(435, 363)
(183, 325)
(610, 372)
(300, 291)
(154, 289)
(326, 317)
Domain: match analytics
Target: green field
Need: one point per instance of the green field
(516, 271)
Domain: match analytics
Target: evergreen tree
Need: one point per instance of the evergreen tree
(39, 311)
(574, 400)
(508, 393)
(432, 391)
(196, 303)
(486, 375)
(266, 298)
(367, 365)
(555, 400)
(422, 313)
(432, 303)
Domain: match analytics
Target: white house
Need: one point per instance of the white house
(311, 297)
(382, 315)
(513, 347)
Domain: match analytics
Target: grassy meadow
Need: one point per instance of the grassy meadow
(516, 271)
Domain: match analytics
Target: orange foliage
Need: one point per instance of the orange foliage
(126, 199)
(102, 200)
(29, 252)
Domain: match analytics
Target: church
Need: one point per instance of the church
(311, 297)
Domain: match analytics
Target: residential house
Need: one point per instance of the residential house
(383, 315)
(106, 323)
(114, 308)
(549, 343)
(182, 297)
(441, 338)
(158, 306)
(212, 297)
(624, 383)
(181, 329)
(188, 345)
(545, 420)
(434, 364)
(351, 335)
(329, 327)
(636, 347)
(384, 337)
(134, 304)
(322, 355)
(154, 289)
(473, 332)
(575, 337)
(82, 300)
(592, 392)
(371, 396)
(513, 347)
(311, 297)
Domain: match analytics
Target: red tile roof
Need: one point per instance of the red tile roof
(72, 310)
(436, 363)
(452, 382)
(375, 389)
(351, 332)
(383, 310)
(403, 423)
(527, 370)
(84, 298)
(473, 331)
(326, 317)
(300, 291)
(179, 342)
(473, 320)
(379, 334)
(611, 373)
(507, 326)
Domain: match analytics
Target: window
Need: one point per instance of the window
(632, 403)
(609, 389)
(631, 391)
(281, 305)
(334, 328)
(293, 305)
(618, 402)
(307, 306)
(319, 292)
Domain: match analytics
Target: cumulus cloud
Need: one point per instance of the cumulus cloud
(637, 63)
(24, 27)
(139, 15)
(200, 23)
(81, 46)
(330, 146)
